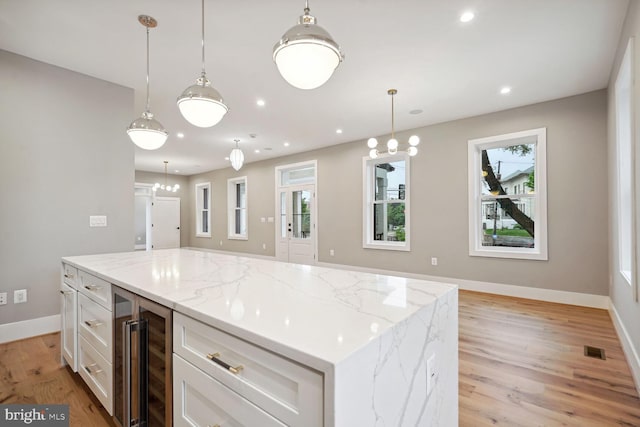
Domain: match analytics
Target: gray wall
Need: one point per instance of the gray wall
(64, 155)
(621, 293)
(145, 177)
(576, 148)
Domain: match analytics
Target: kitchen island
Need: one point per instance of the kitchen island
(380, 350)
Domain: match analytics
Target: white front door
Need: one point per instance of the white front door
(296, 224)
(166, 222)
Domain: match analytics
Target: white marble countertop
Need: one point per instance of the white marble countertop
(315, 315)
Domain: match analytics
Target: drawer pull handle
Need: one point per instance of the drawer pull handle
(66, 292)
(215, 425)
(92, 287)
(92, 323)
(91, 371)
(214, 358)
(69, 276)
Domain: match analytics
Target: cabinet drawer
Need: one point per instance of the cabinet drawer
(70, 275)
(199, 400)
(95, 325)
(95, 288)
(288, 391)
(96, 372)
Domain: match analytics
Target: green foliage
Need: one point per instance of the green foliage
(395, 214)
(520, 150)
(400, 234)
(531, 181)
(508, 232)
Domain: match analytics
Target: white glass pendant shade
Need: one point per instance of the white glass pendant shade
(392, 144)
(372, 143)
(147, 133)
(373, 153)
(414, 140)
(413, 150)
(202, 105)
(237, 158)
(307, 55)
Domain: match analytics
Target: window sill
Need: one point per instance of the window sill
(388, 246)
(512, 254)
(203, 235)
(237, 237)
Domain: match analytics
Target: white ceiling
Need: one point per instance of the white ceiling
(543, 49)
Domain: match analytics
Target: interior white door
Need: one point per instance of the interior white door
(297, 229)
(166, 223)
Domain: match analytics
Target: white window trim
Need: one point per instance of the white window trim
(231, 208)
(199, 210)
(625, 166)
(475, 147)
(367, 194)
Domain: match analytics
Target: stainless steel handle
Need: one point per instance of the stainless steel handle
(92, 323)
(214, 357)
(91, 371)
(128, 327)
(92, 287)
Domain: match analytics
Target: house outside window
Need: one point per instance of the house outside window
(237, 208)
(501, 224)
(386, 190)
(203, 209)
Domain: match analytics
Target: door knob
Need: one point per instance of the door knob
(177, 228)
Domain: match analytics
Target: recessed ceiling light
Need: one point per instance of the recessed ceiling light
(180, 135)
(505, 90)
(256, 151)
(226, 158)
(176, 171)
(467, 16)
(286, 144)
(338, 130)
(260, 102)
(416, 111)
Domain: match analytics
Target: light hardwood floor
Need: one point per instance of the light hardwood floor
(521, 364)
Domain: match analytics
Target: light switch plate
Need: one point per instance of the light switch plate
(20, 296)
(3, 298)
(97, 221)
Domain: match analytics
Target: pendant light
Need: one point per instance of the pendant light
(200, 104)
(236, 157)
(392, 144)
(145, 131)
(165, 186)
(307, 55)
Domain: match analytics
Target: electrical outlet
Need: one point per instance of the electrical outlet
(264, 246)
(3, 298)
(434, 261)
(20, 296)
(331, 252)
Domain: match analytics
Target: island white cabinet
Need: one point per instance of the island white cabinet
(87, 330)
(263, 343)
(68, 316)
(248, 375)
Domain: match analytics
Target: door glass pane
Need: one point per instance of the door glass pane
(301, 214)
(283, 214)
(389, 222)
(157, 372)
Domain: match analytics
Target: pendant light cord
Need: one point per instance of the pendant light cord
(203, 71)
(165, 173)
(147, 68)
(392, 118)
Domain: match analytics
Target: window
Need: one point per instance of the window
(624, 135)
(203, 209)
(237, 208)
(386, 192)
(508, 225)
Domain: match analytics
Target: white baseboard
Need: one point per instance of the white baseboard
(632, 355)
(548, 295)
(29, 328)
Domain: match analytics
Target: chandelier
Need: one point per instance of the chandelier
(307, 55)
(145, 131)
(200, 104)
(165, 186)
(392, 144)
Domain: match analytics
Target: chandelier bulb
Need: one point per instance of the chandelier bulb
(372, 143)
(373, 153)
